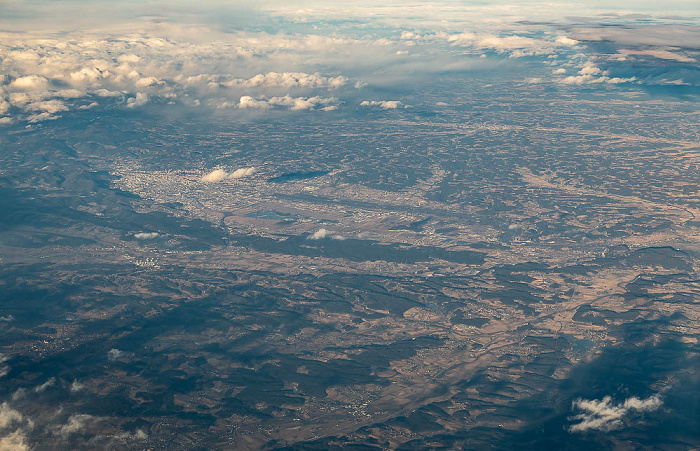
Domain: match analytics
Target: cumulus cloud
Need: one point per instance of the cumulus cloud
(590, 79)
(107, 93)
(605, 415)
(589, 69)
(292, 103)
(384, 104)
(508, 43)
(8, 415)
(218, 175)
(15, 441)
(140, 99)
(294, 79)
(76, 423)
(242, 172)
(48, 421)
(323, 233)
(69, 93)
(590, 73)
(146, 235)
(563, 40)
(135, 69)
(319, 234)
(29, 83)
(49, 106)
(512, 45)
(11, 418)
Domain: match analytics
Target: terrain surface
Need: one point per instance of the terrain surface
(504, 263)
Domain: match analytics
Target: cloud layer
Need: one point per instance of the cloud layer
(44, 78)
(193, 64)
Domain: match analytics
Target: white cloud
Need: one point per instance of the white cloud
(21, 99)
(323, 233)
(29, 83)
(295, 79)
(216, 175)
(589, 73)
(559, 71)
(508, 43)
(49, 383)
(589, 69)
(146, 235)
(8, 415)
(15, 441)
(242, 172)
(145, 82)
(250, 102)
(49, 106)
(604, 415)
(319, 234)
(617, 80)
(107, 93)
(4, 367)
(563, 40)
(590, 79)
(76, 423)
(69, 93)
(88, 106)
(140, 100)
(292, 103)
(514, 45)
(128, 58)
(384, 104)
(141, 69)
